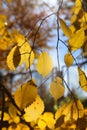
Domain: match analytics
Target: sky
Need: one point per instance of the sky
(51, 2)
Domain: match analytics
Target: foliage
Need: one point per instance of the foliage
(24, 108)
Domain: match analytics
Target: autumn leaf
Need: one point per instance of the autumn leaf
(33, 112)
(66, 30)
(13, 114)
(59, 112)
(47, 119)
(44, 64)
(19, 55)
(76, 110)
(19, 126)
(71, 111)
(6, 41)
(18, 38)
(2, 24)
(68, 59)
(27, 56)
(6, 116)
(12, 111)
(77, 39)
(42, 124)
(56, 88)
(82, 79)
(26, 94)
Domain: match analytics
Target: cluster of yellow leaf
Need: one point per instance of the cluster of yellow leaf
(27, 99)
(22, 53)
(71, 116)
(6, 41)
(76, 32)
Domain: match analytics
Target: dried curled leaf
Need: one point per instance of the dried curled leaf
(82, 79)
(68, 59)
(56, 88)
(33, 112)
(44, 64)
(26, 94)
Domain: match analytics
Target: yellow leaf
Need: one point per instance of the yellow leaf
(6, 117)
(68, 59)
(71, 111)
(44, 64)
(12, 111)
(78, 3)
(73, 29)
(27, 56)
(48, 120)
(57, 89)
(13, 114)
(33, 112)
(16, 119)
(41, 124)
(26, 94)
(59, 112)
(8, 1)
(74, 110)
(77, 39)
(18, 38)
(19, 55)
(73, 19)
(4, 128)
(65, 28)
(2, 18)
(6, 41)
(23, 127)
(19, 126)
(82, 79)
(2, 24)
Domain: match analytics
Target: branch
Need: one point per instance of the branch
(3, 107)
